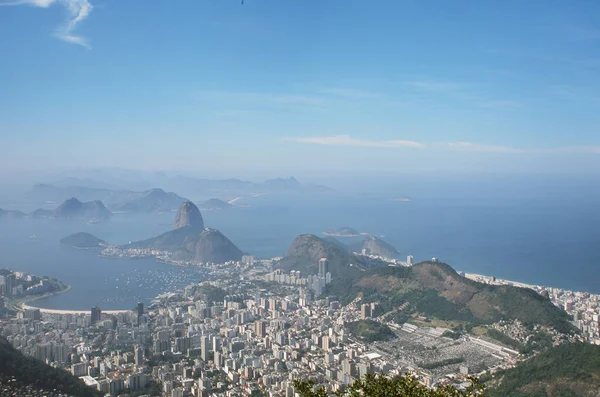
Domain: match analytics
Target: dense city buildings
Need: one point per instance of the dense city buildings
(250, 328)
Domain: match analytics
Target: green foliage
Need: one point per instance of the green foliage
(451, 334)
(211, 293)
(29, 371)
(370, 331)
(507, 340)
(382, 386)
(442, 363)
(569, 370)
(434, 305)
(436, 290)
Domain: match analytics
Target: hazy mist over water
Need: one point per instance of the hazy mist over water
(541, 233)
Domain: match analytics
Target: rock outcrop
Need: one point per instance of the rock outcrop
(188, 215)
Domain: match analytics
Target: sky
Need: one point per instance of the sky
(279, 87)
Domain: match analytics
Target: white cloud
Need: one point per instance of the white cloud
(78, 10)
(477, 147)
(346, 140)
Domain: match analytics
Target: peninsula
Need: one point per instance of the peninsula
(344, 231)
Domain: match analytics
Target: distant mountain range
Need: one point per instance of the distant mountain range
(157, 200)
(70, 209)
(12, 214)
(75, 209)
(153, 200)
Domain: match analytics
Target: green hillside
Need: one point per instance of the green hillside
(570, 370)
(435, 290)
(29, 371)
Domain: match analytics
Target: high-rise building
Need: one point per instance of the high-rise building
(323, 267)
(96, 314)
(140, 312)
(204, 343)
(409, 260)
(365, 311)
(216, 344)
(139, 355)
(260, 328)
(8, 282)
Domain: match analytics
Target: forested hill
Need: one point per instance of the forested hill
(435, 290)
(569, 370)
(27, 371)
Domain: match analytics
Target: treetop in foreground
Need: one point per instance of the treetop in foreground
(383, 386)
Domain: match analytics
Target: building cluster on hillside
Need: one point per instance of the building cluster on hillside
(582, 306)
(314, 283)
(19, 284)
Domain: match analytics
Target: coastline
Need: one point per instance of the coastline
(23, 304)
(66, 311)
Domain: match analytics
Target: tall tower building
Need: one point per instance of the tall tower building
(204, 343)
(8, 281)
(96, 314)
(139, 355)
(323, 267)
(140, 312)
(365, 311)
(260, 328)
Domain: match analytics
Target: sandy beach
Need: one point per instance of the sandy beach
(60, 311)
(23, 305)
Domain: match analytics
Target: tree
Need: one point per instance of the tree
(383, 386)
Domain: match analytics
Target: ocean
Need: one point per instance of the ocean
(550, 240)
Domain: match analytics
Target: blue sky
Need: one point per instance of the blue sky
(303, 87)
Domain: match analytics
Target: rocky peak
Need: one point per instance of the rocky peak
(188, 215)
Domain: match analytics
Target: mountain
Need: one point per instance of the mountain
(192, 244)
(188, 215)
(83, 241)
(75, 209)
(344, 231)
(12, 214)
(290, 183)
(571, 370)
(436, 290)
(154, 200)
(201, 187)
(214, 204)
(52, 193)
(307, 249)
(375, 246)
(41, 213)
(27, 371)
(190, 241)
